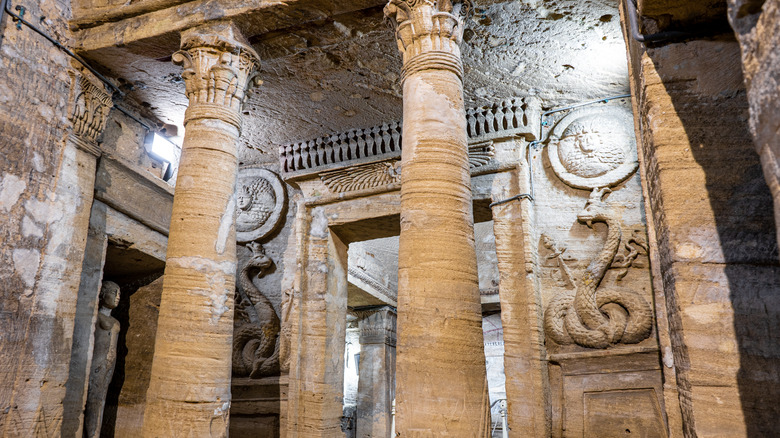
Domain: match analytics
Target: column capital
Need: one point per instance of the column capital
(88, 108)
(428, 33)
(219, 68)
(378, 326)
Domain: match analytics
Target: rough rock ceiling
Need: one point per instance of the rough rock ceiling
(341, 72)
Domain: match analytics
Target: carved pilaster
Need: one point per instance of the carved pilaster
(88, 108)
(219, 68)
(378, 326)
(429, 33)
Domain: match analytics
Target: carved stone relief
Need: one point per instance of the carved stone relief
(89, 105)
(592, 148)
(593, 316)
(362, 177)
(372, 175)
(260, 205)
(256, 324)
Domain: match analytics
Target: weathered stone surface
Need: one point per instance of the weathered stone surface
(195, 325)
(755, 23)
(713, 233)
(129, 190)
(139, 341)
(45, 197)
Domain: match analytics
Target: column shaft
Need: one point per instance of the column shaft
(376, 386)
(189, 390)
(441, 384)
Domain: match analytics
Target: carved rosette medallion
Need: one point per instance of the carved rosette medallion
(594, 148)
(260, 204)
(219, 68)
(428, 33)
(89, 105)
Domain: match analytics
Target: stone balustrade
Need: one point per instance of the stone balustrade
(508, 118)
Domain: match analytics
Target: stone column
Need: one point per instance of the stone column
(376, 385)
(189, 390)
(441, 385)
(525, 366)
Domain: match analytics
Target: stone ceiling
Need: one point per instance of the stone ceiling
(340, 72)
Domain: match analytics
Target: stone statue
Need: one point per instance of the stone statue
(103, 359)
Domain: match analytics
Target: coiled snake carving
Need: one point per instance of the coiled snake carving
(593, 317)
(256, 343)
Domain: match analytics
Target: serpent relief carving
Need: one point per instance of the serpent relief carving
(256, 340)
(595, 317)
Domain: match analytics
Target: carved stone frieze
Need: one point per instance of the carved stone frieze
(89, 105)
(362, 177)
(508, 118)
(219, 68)
(593, 316)
(591, 148)
(260, 204)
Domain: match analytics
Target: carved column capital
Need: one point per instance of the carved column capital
(428, 33)
(219, 68)
(378, 326)
(88, 108)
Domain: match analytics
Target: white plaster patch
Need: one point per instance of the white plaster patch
(225, 222)
(218, 412)
(10, 190)
(30, 228)
(26, 264)
(37, 162)
(668, 357)
(203, 264)
(43, 211)
(215, 272)
(46, 112)
(185, 181)
(319, 223)
(218, 307)
(689, 251)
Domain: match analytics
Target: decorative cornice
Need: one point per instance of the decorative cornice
(428, 33)
(371, 281)
(89, 105)
(219, 68)
(325, 155)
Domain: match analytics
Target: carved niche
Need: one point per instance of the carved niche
(594, 147)
(260, 204)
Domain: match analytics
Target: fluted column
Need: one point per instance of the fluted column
(440, 368)
(189, 391)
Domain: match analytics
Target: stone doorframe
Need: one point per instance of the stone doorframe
(325, 225)
(318, 315)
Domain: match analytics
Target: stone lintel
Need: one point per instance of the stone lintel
(151, 27)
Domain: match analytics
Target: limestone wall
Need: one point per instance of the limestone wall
(711, 232)
(44, 221)
(755, 24)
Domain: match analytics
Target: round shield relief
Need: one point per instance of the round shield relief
(591, 148)
(260, 203)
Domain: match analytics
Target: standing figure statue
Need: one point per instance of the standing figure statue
(103, 359)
